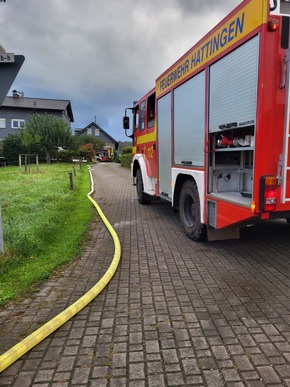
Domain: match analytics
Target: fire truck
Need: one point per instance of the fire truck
(107, 154)
(212, 136)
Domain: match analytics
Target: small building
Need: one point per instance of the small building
(15, 111)
(95, 130)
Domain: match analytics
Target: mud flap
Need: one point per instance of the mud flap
(223, 234)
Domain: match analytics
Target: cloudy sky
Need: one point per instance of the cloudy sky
(101, 55)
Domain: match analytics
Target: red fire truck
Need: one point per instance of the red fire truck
(106, 154)
(212, 136)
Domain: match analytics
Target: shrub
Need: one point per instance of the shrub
(126, 160)
(127, 150)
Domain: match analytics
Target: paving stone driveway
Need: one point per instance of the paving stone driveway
(176, 313)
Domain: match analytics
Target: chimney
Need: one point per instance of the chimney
(15, 93)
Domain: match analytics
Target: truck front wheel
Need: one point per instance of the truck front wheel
(189, 212)
(143, 198)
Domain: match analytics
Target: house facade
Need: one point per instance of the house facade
(95, 130)
(15, 111)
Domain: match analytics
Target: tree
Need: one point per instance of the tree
(96, 143)
(47, 133)
(12, 146)
(88, 151)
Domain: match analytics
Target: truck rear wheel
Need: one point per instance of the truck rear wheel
(143, 198)
(189, 212)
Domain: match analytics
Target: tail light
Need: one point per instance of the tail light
(268, 193)
(273, 25)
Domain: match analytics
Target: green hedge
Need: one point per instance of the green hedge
(127, 150)
(126, 160)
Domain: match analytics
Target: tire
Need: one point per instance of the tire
(189, 212)
(143, 198)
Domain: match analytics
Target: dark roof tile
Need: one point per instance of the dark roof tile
(39, 103)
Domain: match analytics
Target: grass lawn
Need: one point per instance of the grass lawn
(43, 223)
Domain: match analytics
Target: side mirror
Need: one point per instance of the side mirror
(126, 123)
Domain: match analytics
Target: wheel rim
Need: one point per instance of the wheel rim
(189, 211)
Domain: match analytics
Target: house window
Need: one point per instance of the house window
(97, 132)
(89, 131)
(2, 123)
(17, 124)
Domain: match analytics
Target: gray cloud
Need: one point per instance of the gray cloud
(202, 7)
(101, 55)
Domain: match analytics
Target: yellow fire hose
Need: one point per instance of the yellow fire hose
(40, 334)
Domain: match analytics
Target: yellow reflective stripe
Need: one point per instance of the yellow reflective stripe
(150, 137)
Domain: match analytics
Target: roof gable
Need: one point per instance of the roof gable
(96, 126)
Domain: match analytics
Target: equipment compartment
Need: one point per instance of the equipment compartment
(231, 165)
